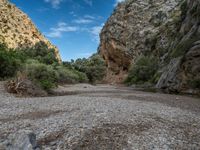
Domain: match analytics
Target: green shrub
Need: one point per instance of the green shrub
(42, 74)
(144, 70)
(10, 62)
(82, 77)
(183, 47)
(184, 9)
(94, 67)
(42, 53)
(68, 65)
(195, 83)
(66, 75)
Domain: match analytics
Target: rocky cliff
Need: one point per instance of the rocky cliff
(17, 30)
(165, 29)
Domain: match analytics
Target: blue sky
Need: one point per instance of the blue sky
(72, 25)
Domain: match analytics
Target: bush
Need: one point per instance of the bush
(82, 77)
(42, 53)
(144, 70)
(10, 60)
(66, 75)
(195, 83)
(48, 76)
(94, 67)
(41, 74)
(183, 47)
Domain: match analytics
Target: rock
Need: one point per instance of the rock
(130, 31)
(164, 29)
(169, 81)
(22, 140)
(17, 29)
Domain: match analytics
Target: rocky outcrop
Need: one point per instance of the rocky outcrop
(186, 45)
(165, 29)
(22, 140)
(17, 30)
(130, 31)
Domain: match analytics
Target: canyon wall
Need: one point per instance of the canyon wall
(165, 29)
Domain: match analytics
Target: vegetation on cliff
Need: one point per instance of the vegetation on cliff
(154, 43)
(143, 71)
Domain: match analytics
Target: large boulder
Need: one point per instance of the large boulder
(22, 140)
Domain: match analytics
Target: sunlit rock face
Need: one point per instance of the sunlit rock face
(17, 30)
(165, 29)
(126, 32)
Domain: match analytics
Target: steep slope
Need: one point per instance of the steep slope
(182, 74)
(165, 29)
(124, 36)
(17, 30)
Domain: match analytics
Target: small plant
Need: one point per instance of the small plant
(184, 9)
(195, 83)
(183, 47)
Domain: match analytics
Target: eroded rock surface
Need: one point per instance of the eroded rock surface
(17, 29)
(126, 33)
(165, 29)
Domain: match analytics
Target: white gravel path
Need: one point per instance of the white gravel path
(104, 117)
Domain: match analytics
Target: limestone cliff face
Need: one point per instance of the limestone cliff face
(165, 29)
(184, 76)
(125, 35)
(17, 30)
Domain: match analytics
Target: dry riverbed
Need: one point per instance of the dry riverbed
(104, 117)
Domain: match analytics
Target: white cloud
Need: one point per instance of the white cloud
(55, 3)
(95, 31)
(118, 1)
(89, 2)
(72, 13)
(83, 21)
(86, 19)
(89, 17)
(60, 29)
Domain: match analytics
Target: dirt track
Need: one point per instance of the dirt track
(104, 117)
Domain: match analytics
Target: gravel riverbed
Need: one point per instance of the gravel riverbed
(104, 117)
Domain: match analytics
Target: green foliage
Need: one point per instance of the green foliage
(40, 65)
(42, 74)
(68, 64)
(195, 83)
(42, 53)
(183, 47)
(144, 70)
(48, 76)
(66, 75)
(10, 62)
(94, 67)
(184, 8)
